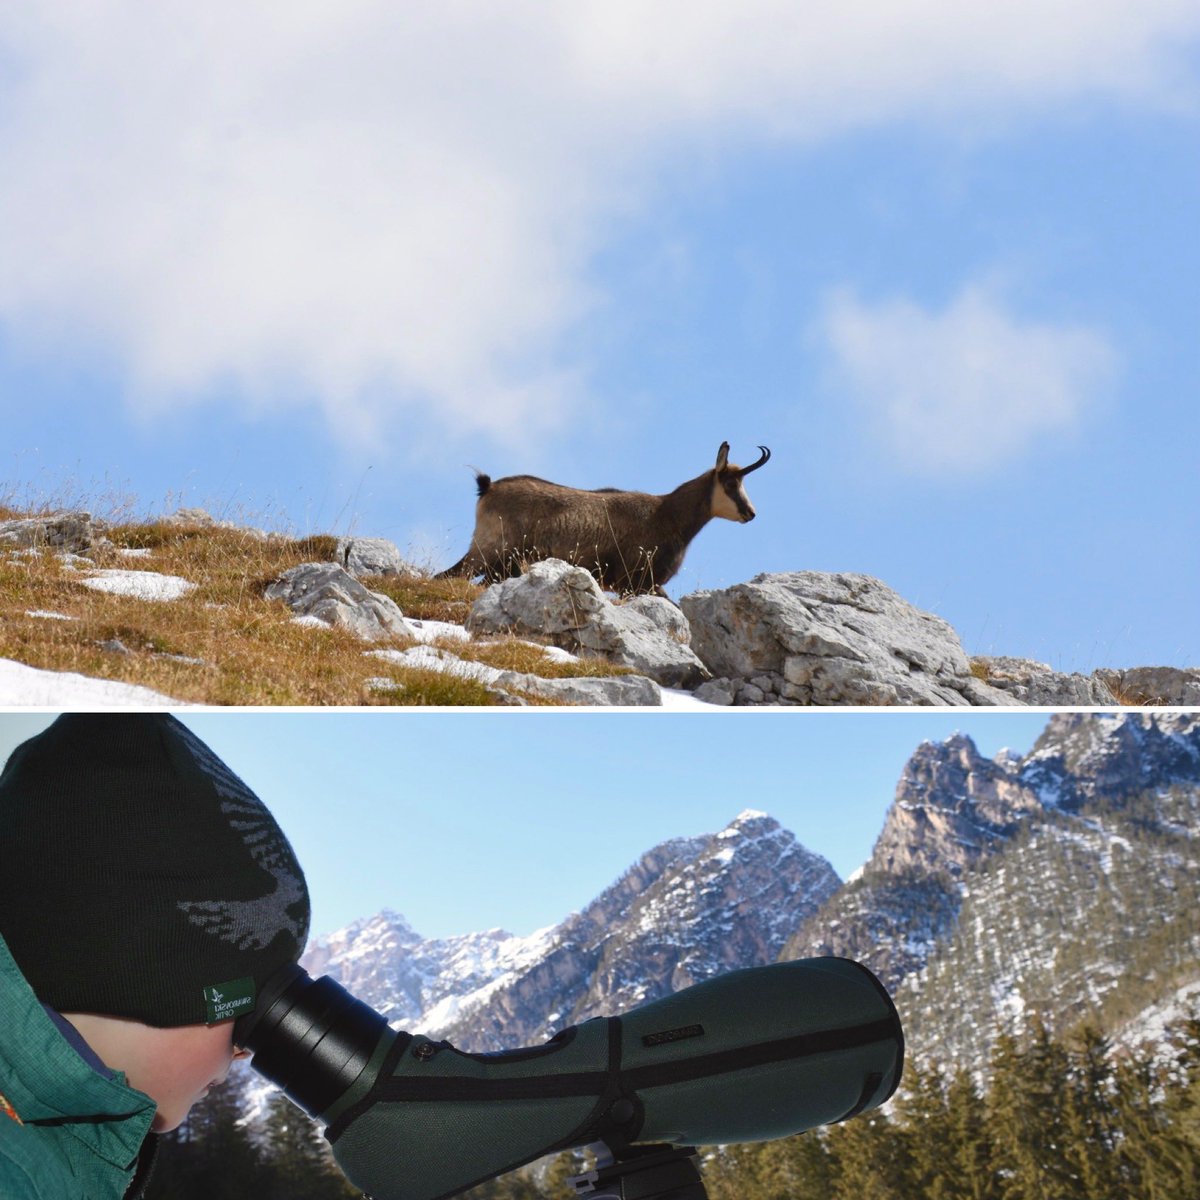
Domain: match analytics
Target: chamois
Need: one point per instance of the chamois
(630, 541)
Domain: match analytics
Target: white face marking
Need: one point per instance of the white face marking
(726, 506)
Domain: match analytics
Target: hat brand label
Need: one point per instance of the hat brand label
(224, 1001)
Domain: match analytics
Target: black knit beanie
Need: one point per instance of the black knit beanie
(139, 877)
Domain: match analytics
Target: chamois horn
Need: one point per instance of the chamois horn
(755, 465)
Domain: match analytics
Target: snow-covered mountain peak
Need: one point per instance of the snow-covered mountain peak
(1081, 755)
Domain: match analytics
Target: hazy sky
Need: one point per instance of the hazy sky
(473, 821)
(302, 263)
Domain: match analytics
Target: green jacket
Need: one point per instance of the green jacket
(66, 1132)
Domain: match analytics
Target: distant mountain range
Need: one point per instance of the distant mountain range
(1065, 881)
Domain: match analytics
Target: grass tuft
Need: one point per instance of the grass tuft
(980, 670)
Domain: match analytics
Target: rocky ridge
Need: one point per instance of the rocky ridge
(792, 638)
(1064, 881)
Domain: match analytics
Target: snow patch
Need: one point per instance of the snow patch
(428, 631)
(1152, 1025)
(29, 687)
(142, 585)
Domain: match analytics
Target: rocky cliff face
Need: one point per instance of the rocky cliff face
(1063, 882)
(952, 808)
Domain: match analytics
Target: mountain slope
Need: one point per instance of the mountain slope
(1062, 882)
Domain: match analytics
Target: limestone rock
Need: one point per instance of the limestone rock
(1031, 682)
(822, 638)
(717, 691)
(952, 807)
(371, 556)
(1154, 685)
(617, 690)
(67, 531)
(563, 605)
(325, 592)
(201, 518)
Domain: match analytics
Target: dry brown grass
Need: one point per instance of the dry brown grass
(980, 670)
(225, 643)
(1128, 696)
(428, 599)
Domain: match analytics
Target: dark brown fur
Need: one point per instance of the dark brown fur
(630, 541)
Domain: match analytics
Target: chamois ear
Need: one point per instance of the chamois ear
(723, 456)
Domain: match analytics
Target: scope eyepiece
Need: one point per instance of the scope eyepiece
(309, 1037)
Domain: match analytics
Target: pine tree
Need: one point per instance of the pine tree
(810, 1171)
(792, 1168)
(731, 1172)
(297, 1158)
(1183, 1103)
(1152, 1155)
(969, 1151)
(925, 1117)
(1090, 1119)
(1026, 1114)
(869, 1158)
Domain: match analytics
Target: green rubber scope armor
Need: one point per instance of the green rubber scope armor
(748, 1056)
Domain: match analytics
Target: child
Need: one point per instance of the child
(145, 895)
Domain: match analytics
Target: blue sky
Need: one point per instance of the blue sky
(301, 266)
(514, 820)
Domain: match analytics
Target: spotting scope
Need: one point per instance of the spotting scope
(748, 1056)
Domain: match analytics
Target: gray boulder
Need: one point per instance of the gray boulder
(618, 691)
(371, 556)
(563, 605)
(201, 518)
(327, 593)
(718, 691)
(1031, 682)
(817, 638)
(1154, 685)
(67, 531)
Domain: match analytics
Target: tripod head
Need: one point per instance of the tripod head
(642, 1173)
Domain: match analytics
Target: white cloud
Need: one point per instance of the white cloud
(966, 389)
(370, 206)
